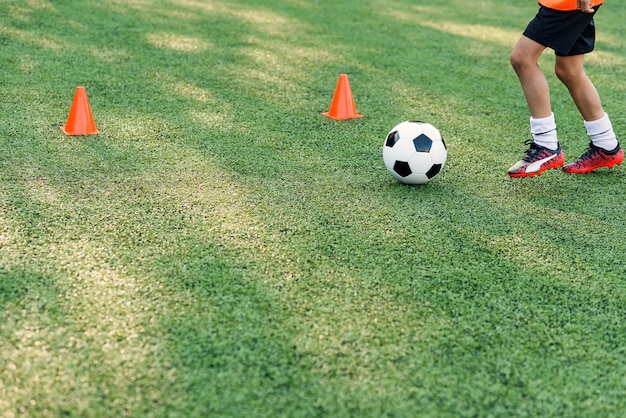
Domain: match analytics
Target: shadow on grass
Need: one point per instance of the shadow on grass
(19, 287)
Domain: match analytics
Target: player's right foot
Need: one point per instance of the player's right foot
(537, 160)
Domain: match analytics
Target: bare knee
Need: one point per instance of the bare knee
(525, 55)
(569, 70)
(517, 60)
(566, 74)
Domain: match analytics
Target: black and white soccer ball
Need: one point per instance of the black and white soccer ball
(414, 152)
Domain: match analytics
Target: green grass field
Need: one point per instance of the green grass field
(222, 249)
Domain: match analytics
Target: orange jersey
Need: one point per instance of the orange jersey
(565, 5)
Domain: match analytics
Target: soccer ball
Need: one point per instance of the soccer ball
(414, 152)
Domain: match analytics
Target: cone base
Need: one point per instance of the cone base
(336, 117)
(96, 132)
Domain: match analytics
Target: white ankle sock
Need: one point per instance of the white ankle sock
(601, 133)
(543, 131)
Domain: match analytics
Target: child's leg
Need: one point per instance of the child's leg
(536, 90)
(571, 72)
(544, 152)
(534, 84)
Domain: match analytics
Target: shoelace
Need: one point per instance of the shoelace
(531, 151)
(590, 152)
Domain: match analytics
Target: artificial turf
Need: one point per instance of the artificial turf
(223, 249)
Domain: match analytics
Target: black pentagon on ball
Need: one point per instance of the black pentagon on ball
(392, 138)
(434, 170)
(402, 168)
(422, 143)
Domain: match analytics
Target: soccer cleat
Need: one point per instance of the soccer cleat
(537, 160)
(594, 158)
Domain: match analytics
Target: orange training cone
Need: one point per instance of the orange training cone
(80, 120)
(342, 106)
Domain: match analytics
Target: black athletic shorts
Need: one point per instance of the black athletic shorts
(567, 33)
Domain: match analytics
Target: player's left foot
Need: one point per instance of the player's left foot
(594, 158)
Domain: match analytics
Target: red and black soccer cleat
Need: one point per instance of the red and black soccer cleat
(537, 160)
(594, 158)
